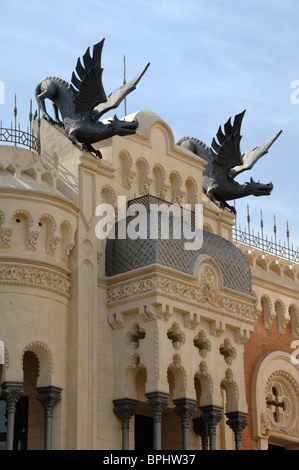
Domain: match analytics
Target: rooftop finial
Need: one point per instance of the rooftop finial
(125, 81)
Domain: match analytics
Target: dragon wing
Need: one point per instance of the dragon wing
(88, 88)
(117, 96)
(227, 154)
(252, 156)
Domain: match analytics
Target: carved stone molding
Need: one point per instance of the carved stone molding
(267, 312)
(176, 336)
(228, 351)
(176, 366)
(32, 276)
(200, 295)
(265, 425)
(192, 186)
(231, 386)
(37, 347)
(144, 179)
(5, 236)
(127, 173)
(208, 382)
(202, 344)
(282, 395)
(135, 335)
(294, 316)
(160, 174)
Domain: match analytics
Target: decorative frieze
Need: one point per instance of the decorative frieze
(198, 295)
(31, 276)
(5, 236)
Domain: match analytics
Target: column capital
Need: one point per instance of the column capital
(211, 414)
(237, 421)
(157, 402)
(185, 408)
(200, 428)
(125, 408)
(49, 396)
(11, 392)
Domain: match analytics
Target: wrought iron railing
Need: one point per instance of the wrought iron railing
(262, 242)
(267, 246)
(16, 136)
(19, 137)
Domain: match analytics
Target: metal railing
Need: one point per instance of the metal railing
(267, 246)
(19, 137)
(16, 136)
(262, 242)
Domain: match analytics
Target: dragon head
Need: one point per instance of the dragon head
(116, 126)
(258, 189)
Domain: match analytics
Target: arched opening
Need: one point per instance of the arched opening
(267, 311)
(176, 187)
(191, 192)
(160, 188)
(35, 413)
(144, 181)
(126, 166)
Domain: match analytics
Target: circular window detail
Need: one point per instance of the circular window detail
(281, 401)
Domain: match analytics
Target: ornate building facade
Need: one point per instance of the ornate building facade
(123, 343)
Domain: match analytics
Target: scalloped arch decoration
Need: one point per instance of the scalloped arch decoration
(45, 361)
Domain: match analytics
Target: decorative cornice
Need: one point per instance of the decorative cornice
(194, 295)
(33, 276)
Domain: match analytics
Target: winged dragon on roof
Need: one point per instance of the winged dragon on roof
(83, 102)
(224, 161)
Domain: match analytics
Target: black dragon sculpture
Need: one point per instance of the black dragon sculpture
(225, 161)
(82, 103)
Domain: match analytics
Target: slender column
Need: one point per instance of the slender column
(212, 415)
(185, 408)
(200, 427)
(157, 402)
(237, 421)
(124, 409)
(48, 397)
(11, 392)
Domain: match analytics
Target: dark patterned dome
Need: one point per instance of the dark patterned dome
(123, 255)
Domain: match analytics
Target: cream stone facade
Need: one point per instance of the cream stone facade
(135, 344)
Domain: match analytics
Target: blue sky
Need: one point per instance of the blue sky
(209, 61)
